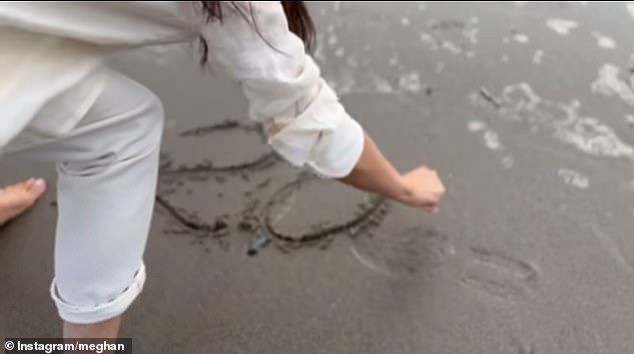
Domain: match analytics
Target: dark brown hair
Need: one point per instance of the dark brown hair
(297, 16)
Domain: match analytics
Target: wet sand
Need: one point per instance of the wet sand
(526, 111)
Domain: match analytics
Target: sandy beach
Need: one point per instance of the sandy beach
(525, 109)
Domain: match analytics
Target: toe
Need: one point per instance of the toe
(36, 190)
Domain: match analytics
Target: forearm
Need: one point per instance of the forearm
(374, 173)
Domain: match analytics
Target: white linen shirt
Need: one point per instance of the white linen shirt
(48, 48)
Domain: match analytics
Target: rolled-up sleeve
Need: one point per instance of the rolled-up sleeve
(306, 123)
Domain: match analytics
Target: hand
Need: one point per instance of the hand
(424, 189)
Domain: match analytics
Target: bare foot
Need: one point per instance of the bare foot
(15, 199)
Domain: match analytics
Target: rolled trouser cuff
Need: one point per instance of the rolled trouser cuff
(100, 312)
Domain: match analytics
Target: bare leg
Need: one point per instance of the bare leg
(106, 329)
(17, 198)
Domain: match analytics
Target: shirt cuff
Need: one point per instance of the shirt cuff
(324, 137)
(336, 154)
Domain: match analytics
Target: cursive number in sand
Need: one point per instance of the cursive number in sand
(265, 160)
(369, 213)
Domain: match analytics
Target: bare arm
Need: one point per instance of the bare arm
(374, 173)
(302, 115)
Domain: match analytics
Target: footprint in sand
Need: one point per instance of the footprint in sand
(499, 275)
(413, 252)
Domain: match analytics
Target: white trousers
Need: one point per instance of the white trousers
(107, 173)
